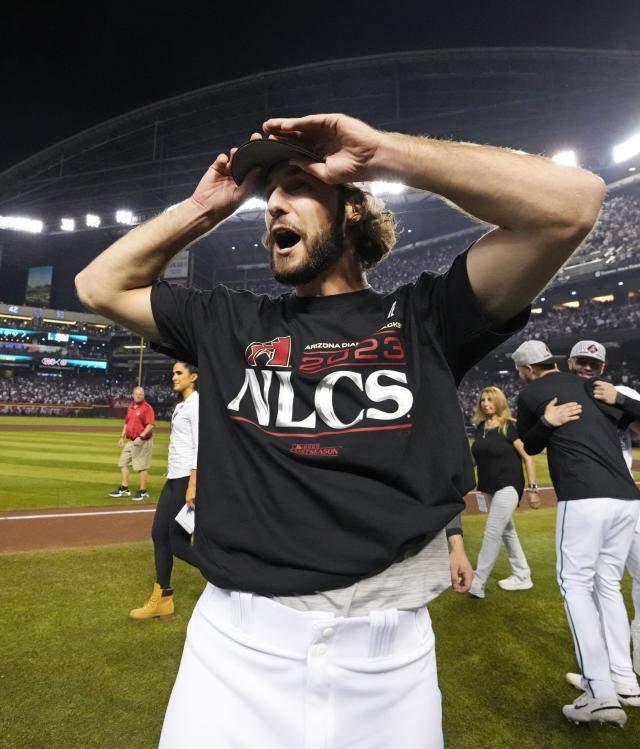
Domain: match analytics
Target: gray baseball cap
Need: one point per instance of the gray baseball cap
(265, 153)
(533, 352)
(590, 349)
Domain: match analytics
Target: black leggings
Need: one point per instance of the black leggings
(169, 537)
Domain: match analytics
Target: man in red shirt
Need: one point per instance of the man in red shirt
(136, 442)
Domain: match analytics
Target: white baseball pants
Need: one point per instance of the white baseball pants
(256, 673)
(500, 528)
(593, 538)
(633, 565)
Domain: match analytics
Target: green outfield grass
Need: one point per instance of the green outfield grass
(42, 469)
(76, 672)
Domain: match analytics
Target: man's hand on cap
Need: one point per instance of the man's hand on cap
(349, 146)
(217, 194)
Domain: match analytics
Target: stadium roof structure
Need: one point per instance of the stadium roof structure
(536, 99)
(532, 98)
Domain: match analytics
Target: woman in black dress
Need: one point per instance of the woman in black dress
(499, 453)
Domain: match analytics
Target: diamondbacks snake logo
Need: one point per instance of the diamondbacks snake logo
(273, 353)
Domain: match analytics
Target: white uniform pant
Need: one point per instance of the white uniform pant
(501, 529)
(633, 565)
(593, 538)
(256, 673)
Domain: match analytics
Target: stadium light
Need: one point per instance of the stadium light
(386, 188)
(627, 149)
(68, 224)
(92, 220)
(566, 158)
(125, 217)
(253, 204)
(19, 223)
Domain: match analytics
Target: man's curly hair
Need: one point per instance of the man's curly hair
(375, 231)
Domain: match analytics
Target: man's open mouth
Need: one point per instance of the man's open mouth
(284, 240)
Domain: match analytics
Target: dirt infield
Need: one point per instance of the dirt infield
(62, 529)
(93, 526)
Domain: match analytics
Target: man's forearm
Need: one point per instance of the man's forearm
(513, 190)
(137, 258)
(630, 406)
(531, 470)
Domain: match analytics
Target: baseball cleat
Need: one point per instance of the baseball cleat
(630, 700)
(121, 491)
(629, 696)
(513, 582)
(586, 709)
(158, 606)
(139, 495)
(477, 589)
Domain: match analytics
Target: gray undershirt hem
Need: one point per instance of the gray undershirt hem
(408, 584)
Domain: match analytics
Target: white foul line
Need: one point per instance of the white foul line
(76, 514)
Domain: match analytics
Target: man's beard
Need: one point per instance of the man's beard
(323, 254)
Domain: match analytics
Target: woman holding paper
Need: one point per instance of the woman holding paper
(499, 453)
(169, 537)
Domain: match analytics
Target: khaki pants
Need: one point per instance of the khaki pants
(136, 456)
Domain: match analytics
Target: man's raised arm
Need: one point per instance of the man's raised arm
(542, 210)
(117, 284)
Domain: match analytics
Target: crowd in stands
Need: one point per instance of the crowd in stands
(26, 394)
(616, 236)
(590, 317)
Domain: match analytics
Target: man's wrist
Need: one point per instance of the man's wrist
(390, 156)
(197, 219)
(546, 422)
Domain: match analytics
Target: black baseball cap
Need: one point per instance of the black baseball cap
(266, 154)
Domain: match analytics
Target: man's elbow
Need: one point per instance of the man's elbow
(87, 291)
(531, 448)
(83, 289)
(578, 217)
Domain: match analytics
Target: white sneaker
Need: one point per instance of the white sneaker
(635, 638)
(626, 696)
(477, 589)
(586, 709)
(513, 582)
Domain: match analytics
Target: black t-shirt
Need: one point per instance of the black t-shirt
(584, 456)
(331, 438)
(499, 463)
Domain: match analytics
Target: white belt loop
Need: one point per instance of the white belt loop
(241, 610)
(383, 626)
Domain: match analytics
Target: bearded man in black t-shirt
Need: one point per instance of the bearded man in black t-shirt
(332, 450)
